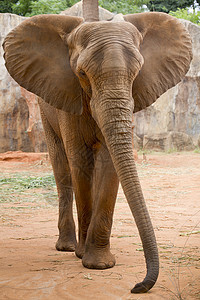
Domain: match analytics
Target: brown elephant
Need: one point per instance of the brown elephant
(91, 78)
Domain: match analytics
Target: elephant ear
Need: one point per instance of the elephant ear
(37, 57)
(167, 53)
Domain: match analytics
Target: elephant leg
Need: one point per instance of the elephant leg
(82, 170)
(105, 186)
(67, 236)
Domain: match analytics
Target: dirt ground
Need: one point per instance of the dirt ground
(31, 268)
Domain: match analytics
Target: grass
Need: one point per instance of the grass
(145, 151)
(22, 188)
(197, 150)
(172, 150)
(182, 264)
(19, 182)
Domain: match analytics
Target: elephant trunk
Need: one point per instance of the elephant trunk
(114, 117)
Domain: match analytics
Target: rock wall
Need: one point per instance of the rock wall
(173, 121)
(15, 110)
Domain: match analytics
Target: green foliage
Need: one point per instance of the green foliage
(47, 7)
(37, 7)
(22, 7)
(176, 8)
(169, 5)
(124, 7)
(184, 14)
(6, 6)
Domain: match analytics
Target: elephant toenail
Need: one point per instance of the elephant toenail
(101, 265)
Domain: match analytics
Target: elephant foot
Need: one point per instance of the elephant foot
(80, 250)
(101, 259)
(66, 245)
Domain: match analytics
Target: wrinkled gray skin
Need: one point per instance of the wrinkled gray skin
(97, 74)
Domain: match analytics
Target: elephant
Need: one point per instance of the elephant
(91, 77)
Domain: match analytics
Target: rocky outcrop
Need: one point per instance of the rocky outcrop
(20, 124)
(173, 140)
(14, 113)
(173, 121)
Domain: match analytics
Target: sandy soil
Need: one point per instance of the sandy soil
(31, 268)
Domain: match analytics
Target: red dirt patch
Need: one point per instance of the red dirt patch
(20, 156)
(31, 268)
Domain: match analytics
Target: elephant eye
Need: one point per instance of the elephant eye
(82, 73)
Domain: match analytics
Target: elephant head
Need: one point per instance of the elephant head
(123, 67)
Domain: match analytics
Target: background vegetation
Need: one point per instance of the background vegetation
(183, 9)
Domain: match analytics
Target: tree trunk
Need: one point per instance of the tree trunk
(90, 10)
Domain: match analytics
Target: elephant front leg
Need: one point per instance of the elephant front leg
(67, 236)
(66, 226)
(97, 249)
(82, 171)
